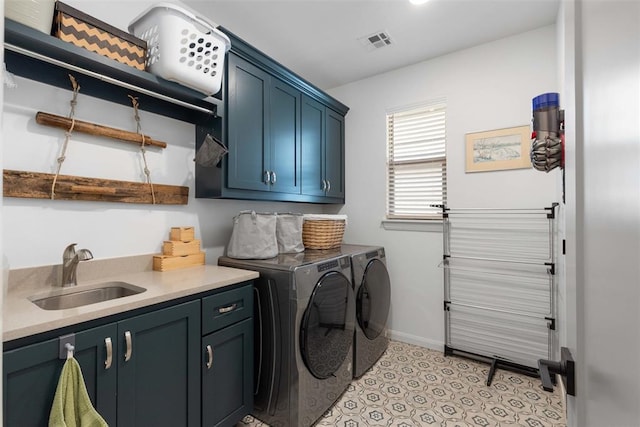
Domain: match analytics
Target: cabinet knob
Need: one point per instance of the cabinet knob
(324, 185)
(328, 185)
(210, 357)
(127, 338)
(109, 346)
(267, 177)
(273, 177)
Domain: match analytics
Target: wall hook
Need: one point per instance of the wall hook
(67, 345)
(70, 349)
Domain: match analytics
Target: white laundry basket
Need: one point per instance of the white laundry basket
(36, 14)
(182, 46)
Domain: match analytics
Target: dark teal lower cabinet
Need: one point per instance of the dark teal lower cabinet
(159, 384)
(31, 373)
(153, 378)
(157, 375)
(227, 378)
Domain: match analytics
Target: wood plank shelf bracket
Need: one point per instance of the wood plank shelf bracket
(36, 185)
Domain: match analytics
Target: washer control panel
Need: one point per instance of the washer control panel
(325, 266)
(341, 263)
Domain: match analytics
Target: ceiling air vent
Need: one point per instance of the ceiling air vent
(377, 40)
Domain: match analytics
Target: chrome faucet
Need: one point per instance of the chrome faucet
(70, 261)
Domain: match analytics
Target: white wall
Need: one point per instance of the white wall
(37, 230)
(607, 206)
(486, 87)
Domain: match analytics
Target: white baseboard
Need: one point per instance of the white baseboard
(415, 340)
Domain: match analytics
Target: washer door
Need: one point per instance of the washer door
(373, 299)
(327, 329)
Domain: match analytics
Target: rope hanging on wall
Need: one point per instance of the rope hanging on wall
(147, 172)
(67, 135)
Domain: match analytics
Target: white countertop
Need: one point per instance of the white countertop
(22, 318)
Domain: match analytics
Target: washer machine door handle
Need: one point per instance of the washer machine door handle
(259, 326)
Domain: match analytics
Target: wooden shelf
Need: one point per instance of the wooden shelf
(37, 56)
(35, 185)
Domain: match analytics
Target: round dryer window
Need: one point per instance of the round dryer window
(327, 329)
(373, 299)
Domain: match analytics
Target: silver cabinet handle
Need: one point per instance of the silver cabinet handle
(109, 347)
(267, 177)
(127, 338)
(273, 177)
(324, 185)
(227, 309)
(210, 357)
(328, 185)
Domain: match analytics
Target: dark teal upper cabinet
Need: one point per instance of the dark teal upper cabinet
(263, 117)
(277, 150)
(313, 144)
(334, 154)
(322, 150)
(284, 138)
(248, 129)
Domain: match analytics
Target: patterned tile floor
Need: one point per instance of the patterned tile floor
(414, 386)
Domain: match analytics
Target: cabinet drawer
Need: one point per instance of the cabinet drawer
(225, 308)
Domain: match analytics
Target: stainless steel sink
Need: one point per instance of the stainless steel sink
(78, 296)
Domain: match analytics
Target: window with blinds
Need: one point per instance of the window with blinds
(417, 166)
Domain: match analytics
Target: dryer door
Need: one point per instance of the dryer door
(327, 329)
(373, 299)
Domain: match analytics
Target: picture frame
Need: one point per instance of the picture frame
(500, 149)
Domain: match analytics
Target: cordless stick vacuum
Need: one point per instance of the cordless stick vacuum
(547, 138)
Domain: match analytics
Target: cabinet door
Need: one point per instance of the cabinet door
(159, 383)
(227, 375)
(248, 129)
(312, 132)
(31, 374)
(334, 154)
(284, 118)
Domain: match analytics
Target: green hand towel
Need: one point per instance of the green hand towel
(71, 404)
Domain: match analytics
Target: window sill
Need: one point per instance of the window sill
(429, 226)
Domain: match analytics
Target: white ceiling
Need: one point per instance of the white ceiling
(318, 39)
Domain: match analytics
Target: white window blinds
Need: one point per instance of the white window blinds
(417, 167)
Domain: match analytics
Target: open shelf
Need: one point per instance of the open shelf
(37, 56)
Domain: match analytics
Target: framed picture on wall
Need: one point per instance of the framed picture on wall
(499, 149)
